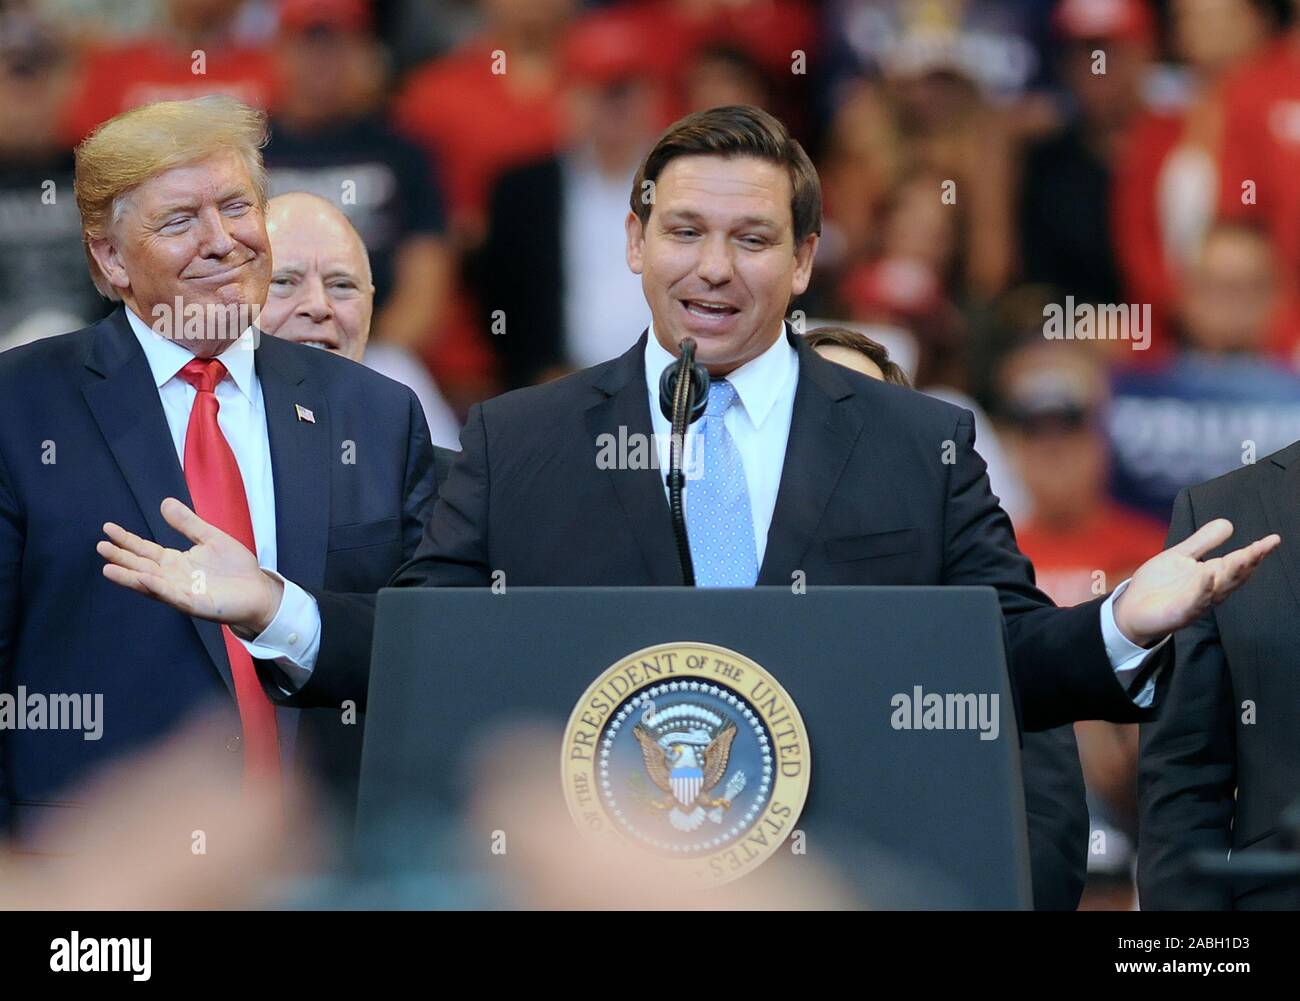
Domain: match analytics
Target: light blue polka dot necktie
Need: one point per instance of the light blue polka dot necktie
(718, 516)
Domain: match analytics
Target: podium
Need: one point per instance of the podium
(913, 761)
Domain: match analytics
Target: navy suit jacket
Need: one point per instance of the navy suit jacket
(84, 440)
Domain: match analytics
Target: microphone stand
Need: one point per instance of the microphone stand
(683, 401)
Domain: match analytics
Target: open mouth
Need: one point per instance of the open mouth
(706, 309)
(324, 343)
(311, 335)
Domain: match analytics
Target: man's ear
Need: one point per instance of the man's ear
(803, 263)
(635, 242)
(109, 261)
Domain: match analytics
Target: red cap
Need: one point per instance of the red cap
(903, 291)
(340, 15)
(606, 48)
(898, 286)
(1117, 20)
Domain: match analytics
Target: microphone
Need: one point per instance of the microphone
(683, 398)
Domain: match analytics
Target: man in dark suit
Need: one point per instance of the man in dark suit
(811, 472)
(1219, 767)
(332, 467)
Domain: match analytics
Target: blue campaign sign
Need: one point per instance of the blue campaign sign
(1194, 419)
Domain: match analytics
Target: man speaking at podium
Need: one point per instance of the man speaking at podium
(811, 472)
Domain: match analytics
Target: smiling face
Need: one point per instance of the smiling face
(321, 292)
(717, 256)
(194, 233)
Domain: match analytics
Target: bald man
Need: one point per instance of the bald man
(322, 294)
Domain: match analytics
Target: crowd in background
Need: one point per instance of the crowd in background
(982, 162)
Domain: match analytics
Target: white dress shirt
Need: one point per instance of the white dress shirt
(293, 639)
(760, 427)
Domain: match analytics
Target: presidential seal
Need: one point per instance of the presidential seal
(692, 751)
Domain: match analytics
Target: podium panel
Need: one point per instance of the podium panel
(913, 783)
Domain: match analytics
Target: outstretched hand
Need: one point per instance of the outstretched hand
(1173, 588)
(216, 579)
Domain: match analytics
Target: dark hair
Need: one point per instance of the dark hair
(736, 130)
(842, 337)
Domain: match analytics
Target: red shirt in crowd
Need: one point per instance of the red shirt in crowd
(769, 31)
(116, 78)
(1261, 145)
(1112, 539)
(476, 123)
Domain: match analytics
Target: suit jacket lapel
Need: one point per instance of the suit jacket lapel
(640, 491)
(1278, 494)
(301, 452)
(823, 431)
(129, 412)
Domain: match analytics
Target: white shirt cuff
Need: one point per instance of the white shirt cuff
(1126, 657)
(292, 640)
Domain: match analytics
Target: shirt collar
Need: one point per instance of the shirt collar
(758, 382)
(166, 357)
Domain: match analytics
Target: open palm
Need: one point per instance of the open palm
(217, 579)
(1173, 588)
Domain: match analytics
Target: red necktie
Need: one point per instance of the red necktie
(217, 490)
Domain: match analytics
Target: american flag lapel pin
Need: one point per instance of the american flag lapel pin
(304, 414)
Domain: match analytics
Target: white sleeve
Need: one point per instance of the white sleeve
(1126, 657)
(292, 640)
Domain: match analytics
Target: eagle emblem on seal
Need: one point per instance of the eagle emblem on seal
(686, 748)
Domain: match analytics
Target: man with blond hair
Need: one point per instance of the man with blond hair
(176, 404)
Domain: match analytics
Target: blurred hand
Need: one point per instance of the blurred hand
(1171, 590)
(176, 826)
(218, 579)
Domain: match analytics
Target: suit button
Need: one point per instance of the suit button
(233, 742)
